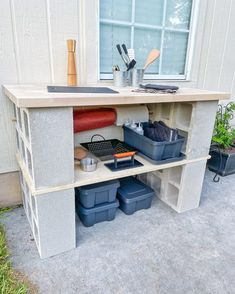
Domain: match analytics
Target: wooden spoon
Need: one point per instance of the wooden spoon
(153, 55)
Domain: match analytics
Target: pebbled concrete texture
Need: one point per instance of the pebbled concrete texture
(153, 251)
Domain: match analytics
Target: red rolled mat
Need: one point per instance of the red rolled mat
(90, 119)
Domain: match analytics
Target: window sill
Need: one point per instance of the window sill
(110, 81)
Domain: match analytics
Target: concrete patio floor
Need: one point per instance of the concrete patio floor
(153, 251)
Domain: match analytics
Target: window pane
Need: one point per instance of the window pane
(116, 9)
(174, 53)
(110, 36)
(145, 41)
(149, 12)
(178, 13)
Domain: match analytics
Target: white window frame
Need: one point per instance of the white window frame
(191, 41)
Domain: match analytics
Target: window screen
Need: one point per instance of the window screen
(144, 25)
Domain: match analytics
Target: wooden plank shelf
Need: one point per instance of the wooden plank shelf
(102, 173)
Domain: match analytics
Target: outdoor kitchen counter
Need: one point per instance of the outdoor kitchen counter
(38, 96)
(45, 145)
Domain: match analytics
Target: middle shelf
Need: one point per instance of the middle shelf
(102, 173)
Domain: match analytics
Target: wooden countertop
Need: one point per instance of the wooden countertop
(37, 96)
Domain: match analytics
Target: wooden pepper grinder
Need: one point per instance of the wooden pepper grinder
(72, 74)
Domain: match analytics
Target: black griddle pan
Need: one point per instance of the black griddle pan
(65, 89)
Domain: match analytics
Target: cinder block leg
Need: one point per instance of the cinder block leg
(179, 187)
(54, 225)
(52, 219)
(45, 144)
(50, 137)
(202, 124)
(191, 186)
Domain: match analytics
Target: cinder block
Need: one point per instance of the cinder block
(201, 129)
(179, 187)
(56, 222)
(191, 186)
(51, 142)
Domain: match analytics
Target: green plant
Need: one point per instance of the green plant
(224, 133)
(10, 280)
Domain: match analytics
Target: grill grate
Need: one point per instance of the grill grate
(105, 149)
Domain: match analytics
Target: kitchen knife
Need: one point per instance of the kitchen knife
(126, 53)
(120, 52)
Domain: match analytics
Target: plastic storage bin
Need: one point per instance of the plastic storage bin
(134, 195)
(95, 194)
(155, 150)
(97, 214)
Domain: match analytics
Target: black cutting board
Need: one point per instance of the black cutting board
(65, 89)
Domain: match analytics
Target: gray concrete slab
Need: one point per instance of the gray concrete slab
(152, 251)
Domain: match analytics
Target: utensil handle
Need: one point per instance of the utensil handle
(125, 154)
(120, 52)
(119, 49)
(124, 49)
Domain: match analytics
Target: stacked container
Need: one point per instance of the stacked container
(97, 203)
(134, 195)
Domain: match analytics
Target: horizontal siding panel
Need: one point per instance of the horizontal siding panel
(8, 74)
(228, 62)
(63, 25)
(32, 36)
(216, 45)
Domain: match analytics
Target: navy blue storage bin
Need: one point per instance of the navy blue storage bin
(95, 194)
(97, 214)
(134, 195)
(155, 150)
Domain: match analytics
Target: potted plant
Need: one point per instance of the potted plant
(223, 142)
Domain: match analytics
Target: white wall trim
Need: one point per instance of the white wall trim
(50, 47)
(209, 46)
(15, 38)
(82, 41)
(192, 38)
(225, 43)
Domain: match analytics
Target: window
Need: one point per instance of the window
(144, 25)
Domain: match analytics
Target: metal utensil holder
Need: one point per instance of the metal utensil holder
(136, 77)
(120, 78)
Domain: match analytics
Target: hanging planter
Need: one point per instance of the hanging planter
(223, 148)
(222, 161)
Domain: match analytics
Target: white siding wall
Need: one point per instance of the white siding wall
(33, 49)
(33, 37)
(217, 63)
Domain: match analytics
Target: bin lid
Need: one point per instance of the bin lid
(132, 190)
(99, 186)
(97, 208)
